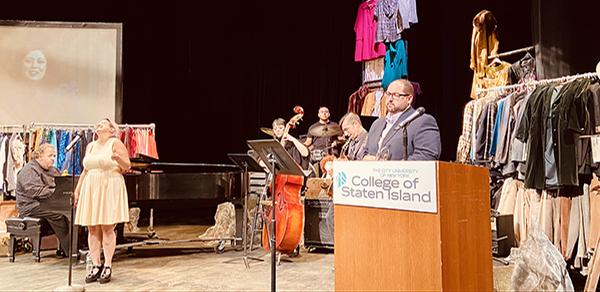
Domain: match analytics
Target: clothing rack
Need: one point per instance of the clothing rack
(139, 126)
(373, 83)
(12, 128)
(513, 52)
(60, 125)
(91, 126)
(540, 82)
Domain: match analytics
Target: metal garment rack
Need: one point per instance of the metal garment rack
(540, 82)
(151, 126)
(12, 129)
(513, 52)
(372, 83)
(60, 126)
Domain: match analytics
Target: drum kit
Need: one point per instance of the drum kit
(326, 131)
(317, 155)
(268, 131)
(317, 131)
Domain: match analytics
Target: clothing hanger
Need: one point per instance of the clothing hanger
(495, 62)
(527, 56)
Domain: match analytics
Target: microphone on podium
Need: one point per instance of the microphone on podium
(419, 112)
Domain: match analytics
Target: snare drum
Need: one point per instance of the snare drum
(317, 154)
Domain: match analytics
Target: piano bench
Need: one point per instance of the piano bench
(32, 228)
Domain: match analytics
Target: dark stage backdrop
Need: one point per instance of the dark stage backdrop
(210, 73)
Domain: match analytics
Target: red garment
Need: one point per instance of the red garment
(152, 151)
(124, 138)
(132, 142)
(365, 28)
(356, 100)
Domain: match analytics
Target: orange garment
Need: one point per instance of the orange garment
(39, 133)
(152, 151)
(368, 103)
(496, 74)
(141, 143)
(594, 212)
(383, 108)
(484, 43)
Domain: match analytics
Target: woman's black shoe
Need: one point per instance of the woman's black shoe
(105, 277)
(94, 274)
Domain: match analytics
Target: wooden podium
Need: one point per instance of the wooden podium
(379, 249)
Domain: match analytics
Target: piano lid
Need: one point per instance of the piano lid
(172, 167)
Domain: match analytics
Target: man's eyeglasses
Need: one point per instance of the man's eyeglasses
(396, 95)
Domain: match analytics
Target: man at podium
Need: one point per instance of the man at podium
(385, 140)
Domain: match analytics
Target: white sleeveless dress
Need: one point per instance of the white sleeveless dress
(103, 196)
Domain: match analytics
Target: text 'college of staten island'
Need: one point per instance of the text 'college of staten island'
(373, 188)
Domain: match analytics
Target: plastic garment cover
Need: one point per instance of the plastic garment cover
(224, 225)
(539, 266)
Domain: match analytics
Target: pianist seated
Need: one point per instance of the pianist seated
(35, 182)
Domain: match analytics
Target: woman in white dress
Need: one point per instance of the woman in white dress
(101, 196)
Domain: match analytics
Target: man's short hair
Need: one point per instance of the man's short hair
(350, 118)
(406, 84)
(37, 153)
(279, 121)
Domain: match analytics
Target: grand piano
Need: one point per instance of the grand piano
(182, 193)
(178, 192)
(183, 181)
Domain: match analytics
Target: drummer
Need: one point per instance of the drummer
(321, 135)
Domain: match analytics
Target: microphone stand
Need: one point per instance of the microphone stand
(273, 237)
(405, 141)
(419, 112)
(70, 287)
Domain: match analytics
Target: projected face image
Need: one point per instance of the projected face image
(34, 65)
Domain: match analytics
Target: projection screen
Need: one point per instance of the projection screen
(55, 72)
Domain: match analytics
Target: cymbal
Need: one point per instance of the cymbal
(268, 131)
(326, 131)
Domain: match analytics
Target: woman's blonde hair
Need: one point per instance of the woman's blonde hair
(114, 126)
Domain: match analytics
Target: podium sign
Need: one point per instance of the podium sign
(399, 185)
(442, 242)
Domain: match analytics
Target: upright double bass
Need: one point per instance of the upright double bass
(289, 211)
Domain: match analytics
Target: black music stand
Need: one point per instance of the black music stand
(280, 162)
(246, 163)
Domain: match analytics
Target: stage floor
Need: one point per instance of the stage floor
(176, 270)
(170, 268)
